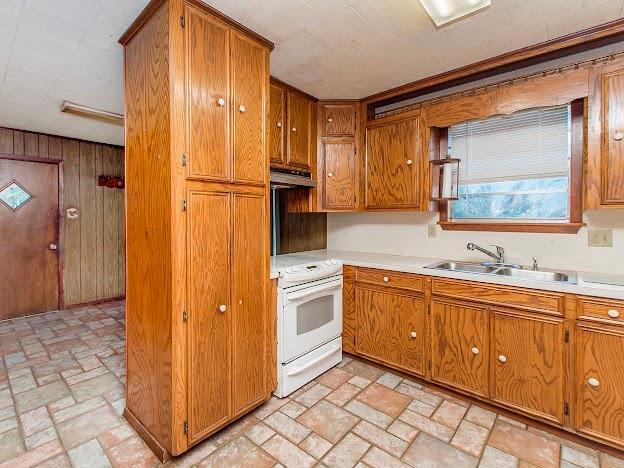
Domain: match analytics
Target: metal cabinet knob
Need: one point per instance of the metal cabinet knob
(386, 279)
(221, 102)
(413, 334)
(409, 162)
(613, 313)
(593, 382)
(279, 124)
(53, 246)
(617, 136)
(330, 174)
(222, 308)
(242, 109)
(294, 129)
(502, 358)
(475, 350)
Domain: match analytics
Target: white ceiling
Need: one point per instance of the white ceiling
(55, 50)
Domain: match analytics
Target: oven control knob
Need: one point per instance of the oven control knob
(288, 270)
(295, 269)
(327, 262)
(333, 262)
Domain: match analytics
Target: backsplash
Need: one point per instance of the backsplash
(406, 234)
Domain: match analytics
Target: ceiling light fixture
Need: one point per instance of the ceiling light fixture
(90, 113)
(446, 11)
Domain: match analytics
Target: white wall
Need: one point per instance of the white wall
(406, 234)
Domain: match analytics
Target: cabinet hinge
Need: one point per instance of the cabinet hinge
(566, 336)
(185, 427)
(566, 409)
(184, 316)
(429, 309)
(184, 160)
(183, 205)
(182, 21)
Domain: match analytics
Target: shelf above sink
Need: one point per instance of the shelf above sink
(510, 272)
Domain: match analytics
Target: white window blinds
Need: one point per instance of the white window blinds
(524, 145)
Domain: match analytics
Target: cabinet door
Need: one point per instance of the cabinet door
(338, 174)
(460, 346)
(299, 114)
(207, 81)
(393, 165)
(613, 142)
(339, 119)
(600, 382)
(249, 316)
(390, 328)
(528, 363)
(209, 318)
(276, 133)
(249, 85)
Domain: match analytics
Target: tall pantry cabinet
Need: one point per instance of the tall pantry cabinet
(198, 325)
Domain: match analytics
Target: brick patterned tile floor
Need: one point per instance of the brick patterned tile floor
(62, 398)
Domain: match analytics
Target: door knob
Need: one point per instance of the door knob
(593, 382)
(222, 308)
(279, 124)
(613, 313)
(502, 358)
(413, 334)
(475, 350)
(53, 246)
(242, 109)
(221, 102)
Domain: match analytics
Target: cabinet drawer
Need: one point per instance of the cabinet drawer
(545, 302)
(601, 310)
(390, 278)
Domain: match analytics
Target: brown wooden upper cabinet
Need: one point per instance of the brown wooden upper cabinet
(612, 150)
(338, 119)
(298, 132)
(338, 174)
(393, 174)
(276, 132)
(226, 82)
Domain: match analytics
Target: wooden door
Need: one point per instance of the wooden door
(390, 328)
(207, 82)
(528, 363)
(339, 184)
(612, 169)
(460, 345)
(209, 314)
(339, 119)
(250, 79)
(29, 222)
(392, 165)
(299, 115)
(249, 316)
(600, 382)
(276, 132)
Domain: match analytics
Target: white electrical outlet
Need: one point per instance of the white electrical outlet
(600, 237)
(432, 230)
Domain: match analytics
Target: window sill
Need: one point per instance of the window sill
(553, 228)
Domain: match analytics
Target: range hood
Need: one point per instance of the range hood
(287, 179)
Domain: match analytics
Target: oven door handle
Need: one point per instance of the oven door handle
(300, 369)
(293, 296)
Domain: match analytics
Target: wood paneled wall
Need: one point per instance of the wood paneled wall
(93, 245)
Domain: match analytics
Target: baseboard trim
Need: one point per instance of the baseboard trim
(161, 452)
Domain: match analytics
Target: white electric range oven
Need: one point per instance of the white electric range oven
(309, 323)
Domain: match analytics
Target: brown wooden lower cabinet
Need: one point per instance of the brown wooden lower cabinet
(508, 354)
(528, 363)
(390, 328)
(599, 382)
(460, 345)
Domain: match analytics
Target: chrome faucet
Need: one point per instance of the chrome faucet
(499, 256)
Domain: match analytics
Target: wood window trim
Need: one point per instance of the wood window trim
(575, 221)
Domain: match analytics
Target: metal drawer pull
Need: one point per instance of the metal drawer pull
(222, 308)
(502, 358)
(475, 350)
(613, 313)
(386, 279)
(593, 382)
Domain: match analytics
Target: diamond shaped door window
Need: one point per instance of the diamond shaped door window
(14, 195)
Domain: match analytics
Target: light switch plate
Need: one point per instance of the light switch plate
(432, 230)
(600, 237)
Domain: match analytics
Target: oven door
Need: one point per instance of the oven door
(312, 316)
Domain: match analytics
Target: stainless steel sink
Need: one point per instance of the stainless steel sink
(509, 271)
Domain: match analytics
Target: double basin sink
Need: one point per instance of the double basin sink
(511, 271)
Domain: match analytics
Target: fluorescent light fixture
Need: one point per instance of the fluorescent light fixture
(446, 11)
(90, 113)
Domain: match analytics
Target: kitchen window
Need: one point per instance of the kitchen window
(518, 172)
